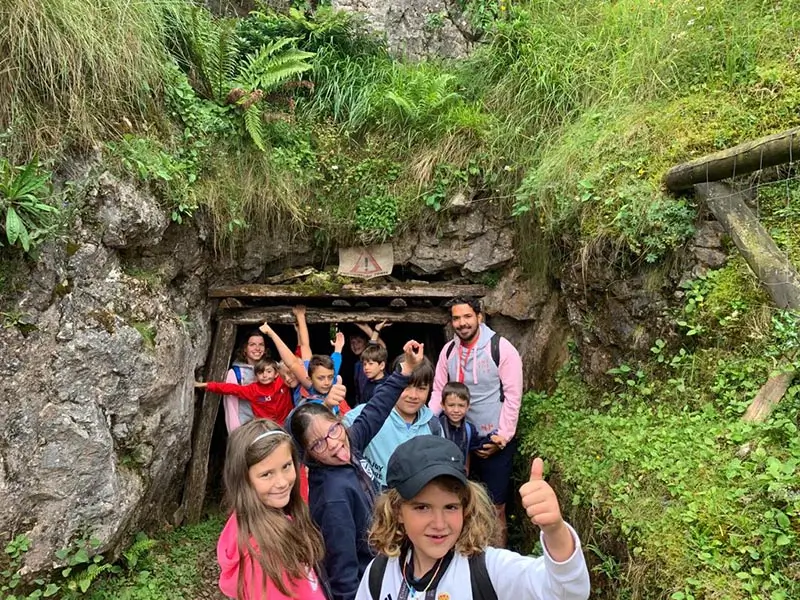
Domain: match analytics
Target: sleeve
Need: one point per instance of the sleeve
(344, 408)
(335, 520)
(336, 357)
(350, 416)
(231, 406)
(542, 578)
(477, 440)
(439, 381)
(376, 410)
(510, 372)
(248, 392)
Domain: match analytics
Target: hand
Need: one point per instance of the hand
(382, 325)
(499, 440)
(338, 343)
(266, 329)
(337, 393)
(299, 311)
(200, 385)
(487, 450)
(540, 501)
(413, 355)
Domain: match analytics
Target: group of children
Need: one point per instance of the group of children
(387, 476)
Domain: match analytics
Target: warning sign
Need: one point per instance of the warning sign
(366, 262)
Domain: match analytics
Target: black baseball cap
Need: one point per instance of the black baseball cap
(418, 461)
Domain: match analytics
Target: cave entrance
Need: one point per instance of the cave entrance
(417, 311)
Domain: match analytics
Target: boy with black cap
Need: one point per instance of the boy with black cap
(432, 530)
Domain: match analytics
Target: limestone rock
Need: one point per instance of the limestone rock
(129, 216)
(516, 296)
(413, 28)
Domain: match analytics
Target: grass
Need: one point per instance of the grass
(73, 70)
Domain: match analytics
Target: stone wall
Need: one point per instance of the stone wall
(96, 398)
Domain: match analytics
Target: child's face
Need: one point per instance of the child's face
(432, 520)
(411, 400)
(266, 376)
(373, 369)
(357, 344)
(288, 377)
(273, 478)
(327, 441)
(322, 379)
(455, 408)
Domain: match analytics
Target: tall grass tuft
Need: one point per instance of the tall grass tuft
(71, 70)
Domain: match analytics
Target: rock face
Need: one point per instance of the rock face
(97, 401)
(414, 28)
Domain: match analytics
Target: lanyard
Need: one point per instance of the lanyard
(406, 593)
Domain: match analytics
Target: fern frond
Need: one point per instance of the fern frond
(266, 70)
(254, 126)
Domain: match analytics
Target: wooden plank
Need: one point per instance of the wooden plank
(769, 395)
(740, 160)
(197, 475)
(772, 267)
(350, 290)
(283, 315)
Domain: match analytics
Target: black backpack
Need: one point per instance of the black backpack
(482, 588)
(494, 344)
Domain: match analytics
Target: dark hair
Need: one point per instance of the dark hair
(300, 419)
(422, 375)
(264, 364)
(319, 360)
(473, 303)
(375, 353)
(457, 389)
(358, 333)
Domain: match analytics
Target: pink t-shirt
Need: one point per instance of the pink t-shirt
(306, 588)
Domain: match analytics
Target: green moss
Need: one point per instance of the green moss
(148, 332)
(105, 318)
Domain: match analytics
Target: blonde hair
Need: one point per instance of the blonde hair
(281, 545)
(480, 529)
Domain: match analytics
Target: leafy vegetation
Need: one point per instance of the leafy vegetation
(24, 204)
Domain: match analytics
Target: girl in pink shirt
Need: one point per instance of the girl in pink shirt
(269, 547)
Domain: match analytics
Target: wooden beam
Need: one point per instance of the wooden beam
(772, 267)
(283, 315)
(350, 290)
(740, 160)
(769, 395)
(196, 478)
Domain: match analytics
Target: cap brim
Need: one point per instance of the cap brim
(414, 484)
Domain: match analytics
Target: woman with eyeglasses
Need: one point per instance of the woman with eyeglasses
(341, 492)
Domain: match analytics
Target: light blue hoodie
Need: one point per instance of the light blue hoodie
(394, 432)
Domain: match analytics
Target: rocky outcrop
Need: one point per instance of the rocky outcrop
(415, 28)
(96, 395)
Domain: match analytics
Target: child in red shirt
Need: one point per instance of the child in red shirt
(268, 395)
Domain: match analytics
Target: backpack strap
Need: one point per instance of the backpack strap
(435, 426)
(237, 370)
(495, 349)
(468, 425)
(482, 588)
(376, 572)
(448, 350)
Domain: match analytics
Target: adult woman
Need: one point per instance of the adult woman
(238, 412)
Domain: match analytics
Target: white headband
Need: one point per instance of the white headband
(269, 433)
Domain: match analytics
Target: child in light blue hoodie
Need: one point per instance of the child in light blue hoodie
(410, 418)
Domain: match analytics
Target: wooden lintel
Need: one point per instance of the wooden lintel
(197, 474)
(283, 315)
(351, 290)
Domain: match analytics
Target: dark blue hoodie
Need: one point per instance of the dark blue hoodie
(341, 498)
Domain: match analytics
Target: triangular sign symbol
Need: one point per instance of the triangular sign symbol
(365, 264)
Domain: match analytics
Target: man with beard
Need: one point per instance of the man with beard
(491, 368)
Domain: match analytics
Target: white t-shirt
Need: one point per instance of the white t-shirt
(514, 577)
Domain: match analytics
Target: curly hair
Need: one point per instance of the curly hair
(388, 537)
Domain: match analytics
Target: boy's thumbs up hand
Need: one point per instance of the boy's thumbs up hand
(337, 393)
(539, 500)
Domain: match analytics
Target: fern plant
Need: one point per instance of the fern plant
(418, 98)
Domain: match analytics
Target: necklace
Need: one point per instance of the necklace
(411, 591)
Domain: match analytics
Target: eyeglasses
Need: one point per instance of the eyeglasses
(334, 433)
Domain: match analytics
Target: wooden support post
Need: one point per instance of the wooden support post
(283, 315)
(351, 290)
(196, 478)
(740, 160)
(771, 266)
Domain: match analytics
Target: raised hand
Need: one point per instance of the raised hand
(413, 355)
(337, 393)
(382, 325)
(540, 501)
(338, 343)
(299, 311)
(266, 329)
